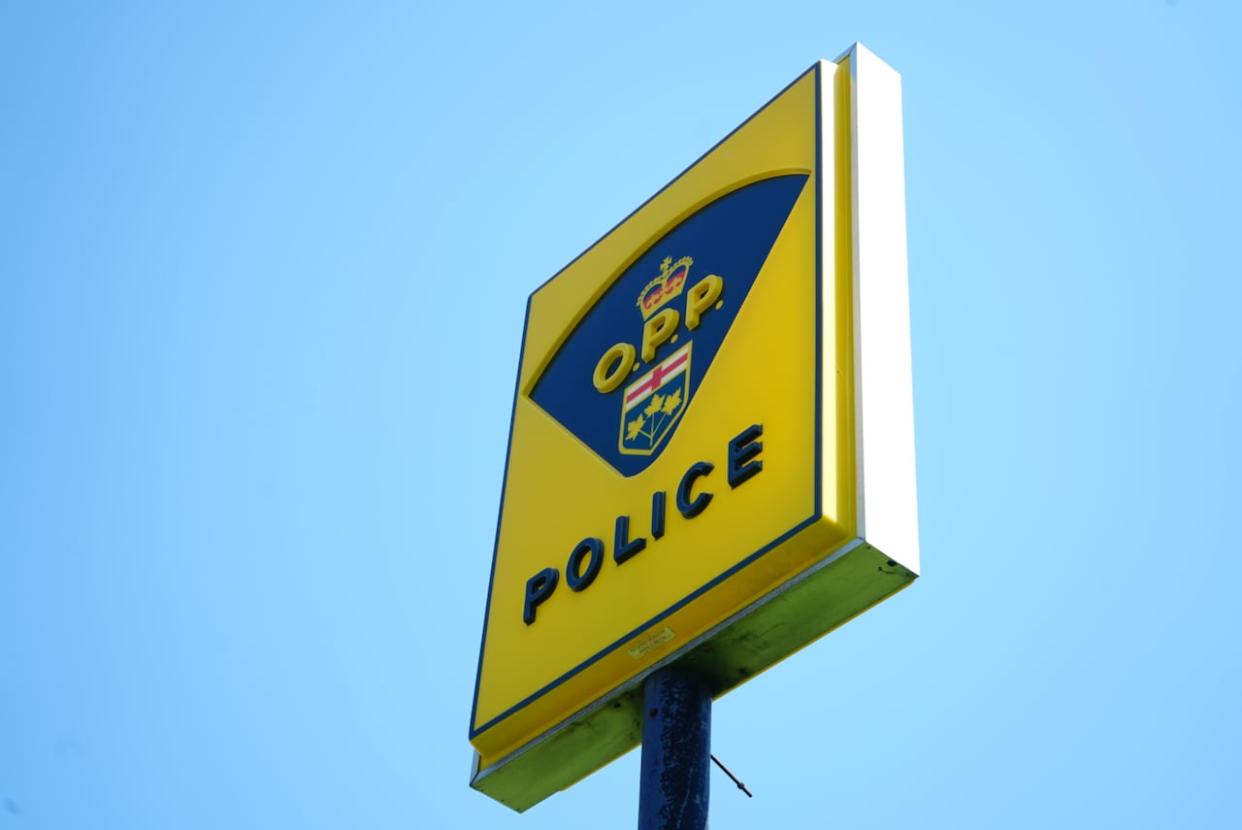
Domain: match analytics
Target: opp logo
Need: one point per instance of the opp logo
(608, 365)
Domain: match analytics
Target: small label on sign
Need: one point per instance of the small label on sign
(653, 640)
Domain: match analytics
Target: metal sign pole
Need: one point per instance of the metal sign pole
(677, 727)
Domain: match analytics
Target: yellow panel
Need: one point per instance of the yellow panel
(784, 364)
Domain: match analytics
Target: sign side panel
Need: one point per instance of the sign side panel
(884, 392)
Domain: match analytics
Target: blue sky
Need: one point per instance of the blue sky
(262, 280)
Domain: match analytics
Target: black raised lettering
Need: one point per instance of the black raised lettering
(693, 507)
(578, 578)
(742, 451)
(657, 514)
(538, 588)
(623, 547)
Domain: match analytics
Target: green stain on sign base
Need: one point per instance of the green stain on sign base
(817, 601)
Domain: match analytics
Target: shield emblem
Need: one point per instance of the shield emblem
(652, 404)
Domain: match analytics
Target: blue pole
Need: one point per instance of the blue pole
(677, 727)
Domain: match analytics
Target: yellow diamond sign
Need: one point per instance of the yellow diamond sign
(711, 457)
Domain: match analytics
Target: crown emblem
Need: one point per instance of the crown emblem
(665, 287)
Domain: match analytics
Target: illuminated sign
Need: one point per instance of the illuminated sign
(711, 455)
